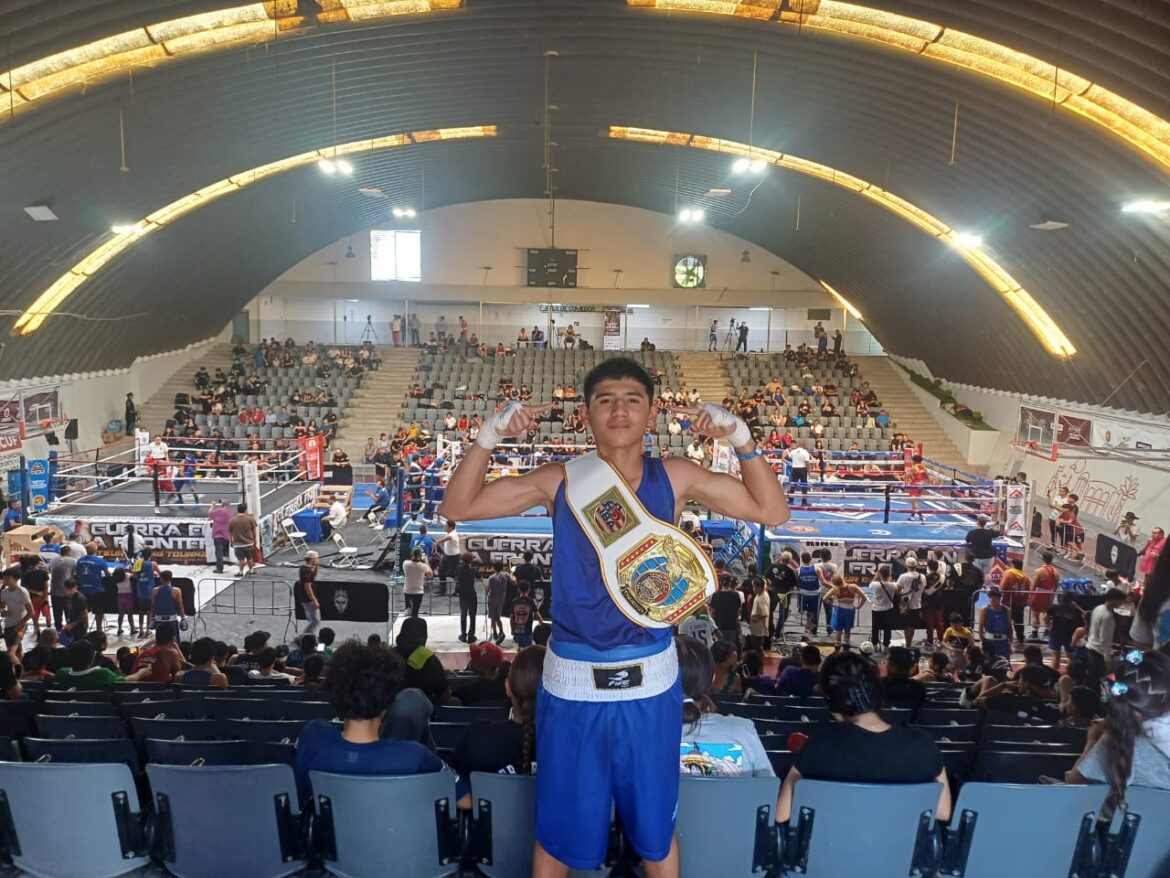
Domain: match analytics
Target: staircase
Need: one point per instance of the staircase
(153, 415)
(376, 407)
(704, 372)
(907, 413)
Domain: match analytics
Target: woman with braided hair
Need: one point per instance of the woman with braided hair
(861, 747)
(1133, 746)
(507, 746)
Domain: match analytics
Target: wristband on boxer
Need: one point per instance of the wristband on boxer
(492, 430)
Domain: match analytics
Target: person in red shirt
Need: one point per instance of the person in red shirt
(916, 477)
(1044, 584)
(1015, 584)
(159, 663)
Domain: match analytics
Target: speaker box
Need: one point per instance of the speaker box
(71, 429)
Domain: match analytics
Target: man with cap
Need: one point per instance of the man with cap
(487, 660)
(1126, 530)
(304, 594)
(910, 585)
(995, 625)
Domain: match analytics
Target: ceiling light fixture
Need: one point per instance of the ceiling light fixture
(328, 167)
(691, 215)
(759, 308)
(994, 274)
(637, 306)
(841, 300)
(1049, 226)
(344, 167)
(404, 212)
(740, 166)
(718, 191)
(746, 256)
(94, 261)
(1150, 206)
(966, 239)
(349, 254)
(127, 229)
(42, 213)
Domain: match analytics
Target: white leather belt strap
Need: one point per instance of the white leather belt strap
(656, 574)
(625, 680)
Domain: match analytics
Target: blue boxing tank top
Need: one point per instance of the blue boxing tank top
(996, 621)
(585, 615)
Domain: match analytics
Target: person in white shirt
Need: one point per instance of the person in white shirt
(76, 546)
(700, 627)
(1056, 502)
(884, 608)
(695, 451)
(450, 545)
(798, 456)
(1099, 640)
(674, 427)
(338, 514)
(911, 584)
(16, 605)
(414, 573)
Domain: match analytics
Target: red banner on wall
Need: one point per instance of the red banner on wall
(312, 456)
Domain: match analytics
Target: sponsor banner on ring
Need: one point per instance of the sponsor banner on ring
(173, 542)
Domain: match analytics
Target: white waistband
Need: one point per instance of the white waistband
(166, 618)
(627, 680)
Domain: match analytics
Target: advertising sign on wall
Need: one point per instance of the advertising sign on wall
(38, 485)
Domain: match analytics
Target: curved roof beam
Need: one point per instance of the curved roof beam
(1136, 126)
(127, 236)
(1021, 301)
(236, 27)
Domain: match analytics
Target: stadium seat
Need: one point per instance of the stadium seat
(945, 716)
(743, 841)
(218, 753)
(84, 751)
(455, 714)
(263, 731)
(1075, 738)
(89, 727)
(1018, 767)
(170, 729)
(255, 831)
(781, 761)
(504, 823)
(952, 733)
(370, 827)
(1139, 846)
(106, 836)
(818, 840)
(989, 834)
(172, 708)
(78, 708)
(447, 735)
(243, 708)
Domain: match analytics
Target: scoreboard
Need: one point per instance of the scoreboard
(552, 267)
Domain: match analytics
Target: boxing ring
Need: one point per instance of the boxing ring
(167, 503)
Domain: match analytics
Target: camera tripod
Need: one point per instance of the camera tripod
(730, 339)
(369, 334)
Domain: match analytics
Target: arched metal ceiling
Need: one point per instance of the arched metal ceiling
(883, 116)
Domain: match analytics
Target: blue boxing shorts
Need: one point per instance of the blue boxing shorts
(843, 618)
(608, 730)
(810, 602)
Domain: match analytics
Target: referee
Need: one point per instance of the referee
(798, 457)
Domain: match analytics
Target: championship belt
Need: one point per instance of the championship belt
(655, 572)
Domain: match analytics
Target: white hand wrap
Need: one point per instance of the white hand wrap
(493, 429)
(721, 417)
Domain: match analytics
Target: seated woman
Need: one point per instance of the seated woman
(507, 746)
(1132, 745)
(362, 683)
(713, 745)
(861, 747)
(501, 351)
(828, 410)
(726, 679)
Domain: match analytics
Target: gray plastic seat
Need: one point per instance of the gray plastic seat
(742, 841)
(504, 809)
(377, 826)
(818, 840)
(1139, 846)
(79, 750)
(105, 828)
(1016, 831)
(254, 828)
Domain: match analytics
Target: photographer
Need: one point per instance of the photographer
(1126, 531)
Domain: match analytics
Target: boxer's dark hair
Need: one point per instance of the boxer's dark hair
(615, 369)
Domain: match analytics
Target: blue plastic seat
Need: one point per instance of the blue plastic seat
(253, 828)
(453, 714)
(370, 827)
(1015, 831)
(262, 730)
(78, 708)
(952, 734)
(1139, 845)
(822, 837)
(171, 708)
(218, 753)
(105, 827)
(90, 727)
(242, 708)
(169, 729)
(120, 750)
(1020, 767)
(448, 735)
